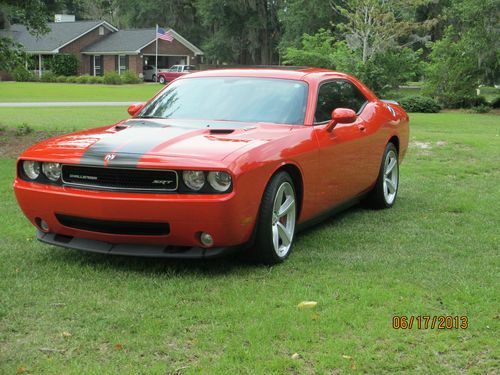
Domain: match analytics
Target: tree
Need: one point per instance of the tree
(299, 17)
(374, 43)
(180, 15)
(376, 26)
(243, 32)
(34, 14)
(468, 55)
(317, 50)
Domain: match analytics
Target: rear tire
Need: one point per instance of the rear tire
(153, 78)
(276, 223)
(385, 191)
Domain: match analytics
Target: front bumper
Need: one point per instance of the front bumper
(151, 251)
(228, 218)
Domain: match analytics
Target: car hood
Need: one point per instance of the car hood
(128, 141)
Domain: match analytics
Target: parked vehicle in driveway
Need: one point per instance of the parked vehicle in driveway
(174, 72)
(217, 161)
(149, 72)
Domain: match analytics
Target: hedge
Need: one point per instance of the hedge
(420, 103)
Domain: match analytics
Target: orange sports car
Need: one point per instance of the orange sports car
(217, 161)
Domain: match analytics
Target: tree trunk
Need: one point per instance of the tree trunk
(264, 34)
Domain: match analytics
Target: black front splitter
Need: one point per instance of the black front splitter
(151, 251)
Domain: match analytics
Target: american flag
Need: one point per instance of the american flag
(164, 35)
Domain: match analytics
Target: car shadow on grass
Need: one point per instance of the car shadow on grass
(234, 263)
(153, 266)
(230, 264)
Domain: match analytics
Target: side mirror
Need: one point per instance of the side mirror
(135, 108)
(341, 116)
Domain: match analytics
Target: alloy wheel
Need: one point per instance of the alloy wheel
(283, 219)
(391, 176)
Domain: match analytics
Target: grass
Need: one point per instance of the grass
(61, 118)
(434, 253)
(64, 92)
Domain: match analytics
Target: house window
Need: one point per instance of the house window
(101, 30)
(121, 63)
(97, 65)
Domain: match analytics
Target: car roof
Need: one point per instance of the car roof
(309, 75)
(298, 74)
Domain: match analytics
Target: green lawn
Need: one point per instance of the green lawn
(65, 92)
(434, 253)
(61, 118)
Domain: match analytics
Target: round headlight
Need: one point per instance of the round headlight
(220, 181)
(31, 169)
(52, 171)
(194, 179)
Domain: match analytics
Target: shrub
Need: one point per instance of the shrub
(23, 129)
(21, 74)
(64, 65)
(49, 76)
(95, 79)
(419, 103)
(130, 77)
(452, 100)
(496, 103)
(82, 79)
(62, 79)
(481, 108)
(72, 79)
(112, 78)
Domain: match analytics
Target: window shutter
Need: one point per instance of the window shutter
(126, 62)
(117, 63)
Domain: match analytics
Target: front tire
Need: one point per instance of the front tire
(153, 78)
(162, 80)
(276, 223)
(385, 191)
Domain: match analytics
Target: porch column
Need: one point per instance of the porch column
(40, 66)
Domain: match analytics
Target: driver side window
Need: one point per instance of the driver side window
(337, 94)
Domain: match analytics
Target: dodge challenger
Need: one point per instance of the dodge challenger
(218, 161)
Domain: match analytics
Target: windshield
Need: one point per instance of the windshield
(244, 99)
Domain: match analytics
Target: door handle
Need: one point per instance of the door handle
(361, 127)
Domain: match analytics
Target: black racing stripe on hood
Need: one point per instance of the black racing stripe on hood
(130, 144)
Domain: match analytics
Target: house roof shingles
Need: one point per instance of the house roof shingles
(60, 34)
(123, 41)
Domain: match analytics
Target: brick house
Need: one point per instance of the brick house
(101, 47)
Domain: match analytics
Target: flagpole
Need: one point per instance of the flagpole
(156, 59)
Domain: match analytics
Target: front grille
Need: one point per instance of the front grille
(120, 178)
(114, 227)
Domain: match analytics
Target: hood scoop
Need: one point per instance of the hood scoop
(121, 127)
(221, 131)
